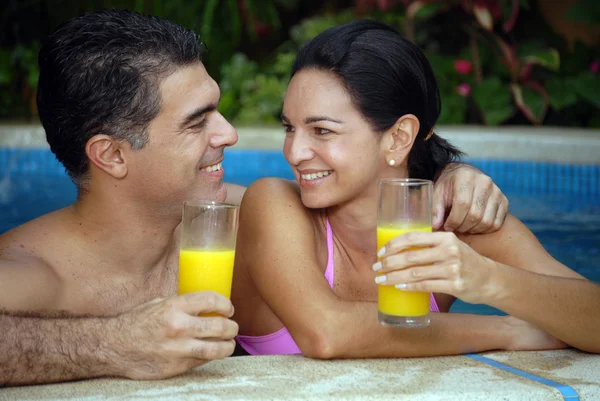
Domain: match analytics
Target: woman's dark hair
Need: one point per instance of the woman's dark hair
(387, 77)
(100, 73)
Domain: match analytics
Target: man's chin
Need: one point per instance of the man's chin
(222, 193)
(218, 195)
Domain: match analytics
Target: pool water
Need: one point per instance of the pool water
(559, 203)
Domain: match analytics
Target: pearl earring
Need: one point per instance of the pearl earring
(392, 162)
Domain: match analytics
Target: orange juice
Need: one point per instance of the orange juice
(201, 270)
(393, 301)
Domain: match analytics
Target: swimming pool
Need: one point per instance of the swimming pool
(560, 203)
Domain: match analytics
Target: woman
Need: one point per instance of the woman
(361, 106)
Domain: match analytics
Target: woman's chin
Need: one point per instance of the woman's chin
(315, 202)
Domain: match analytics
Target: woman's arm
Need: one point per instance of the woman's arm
(557, 299)
(276, 246)
(509, 270)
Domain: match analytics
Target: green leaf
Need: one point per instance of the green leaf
(32, 78)
(525, 4)
(309, 28)
(429, 10)
(493, 100)
(561, 94)
(238, 70)
(454, 108)
(498, 116)
(228, 105)
(586, 11)
(595, 121)
(139, 6)
(549, 58)
(588, 87)
(261, 100)
(235, 24)
(283, 64)
(208, 16)
(7, 71)
(535, 102)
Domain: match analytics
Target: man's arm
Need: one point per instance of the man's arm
(159, 339)
(467, 201)
(43, 350)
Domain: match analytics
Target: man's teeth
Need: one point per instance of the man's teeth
(214, 167)
(314, 176)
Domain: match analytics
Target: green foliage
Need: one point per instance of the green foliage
(586, 11)
(224, 26)
(587, 86)
(251, 45)
(309, 28)
(493, 100)
(560, 92)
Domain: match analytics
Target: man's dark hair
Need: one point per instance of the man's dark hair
(100, 73)
(387, 77)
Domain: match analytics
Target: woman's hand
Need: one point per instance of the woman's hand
(436, 262)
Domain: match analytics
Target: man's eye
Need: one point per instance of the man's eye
(200, 125)
(287, 128)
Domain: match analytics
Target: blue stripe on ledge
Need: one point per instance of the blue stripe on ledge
(568, 392)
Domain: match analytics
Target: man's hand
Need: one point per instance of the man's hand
(166, 337)
(159, 339)
(474, 202)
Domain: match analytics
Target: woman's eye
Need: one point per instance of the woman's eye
(322, 131)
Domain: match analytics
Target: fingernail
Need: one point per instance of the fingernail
(381, 252)
(377, 266)
(380, 279)
(401, 286)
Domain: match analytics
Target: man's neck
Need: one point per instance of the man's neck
(129, 236)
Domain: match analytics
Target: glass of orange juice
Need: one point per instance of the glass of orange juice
(404, 206)
(207, 247)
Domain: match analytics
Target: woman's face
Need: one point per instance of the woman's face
(335, 155)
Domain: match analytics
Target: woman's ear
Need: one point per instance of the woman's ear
(399, 139)
(107, 154)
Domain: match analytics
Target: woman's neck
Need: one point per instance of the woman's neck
(354, 225)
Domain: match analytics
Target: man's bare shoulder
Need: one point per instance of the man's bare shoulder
(28, 280)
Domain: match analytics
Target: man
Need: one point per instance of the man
(89, 290)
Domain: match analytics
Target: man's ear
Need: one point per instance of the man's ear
(106, 153)
(399, 139)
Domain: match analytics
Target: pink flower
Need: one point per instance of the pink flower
(463, 67)
(595, 66)
(463, 89)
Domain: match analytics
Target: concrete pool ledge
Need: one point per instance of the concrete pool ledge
(297, 378)
(547, 144)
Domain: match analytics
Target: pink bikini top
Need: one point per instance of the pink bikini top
(281, 342)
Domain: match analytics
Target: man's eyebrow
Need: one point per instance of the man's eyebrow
(196, 114)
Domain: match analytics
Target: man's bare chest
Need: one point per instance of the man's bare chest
(104, 294)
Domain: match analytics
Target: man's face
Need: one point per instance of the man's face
(182, 160)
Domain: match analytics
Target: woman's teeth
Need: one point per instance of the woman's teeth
(314, 176)
(214, 167)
